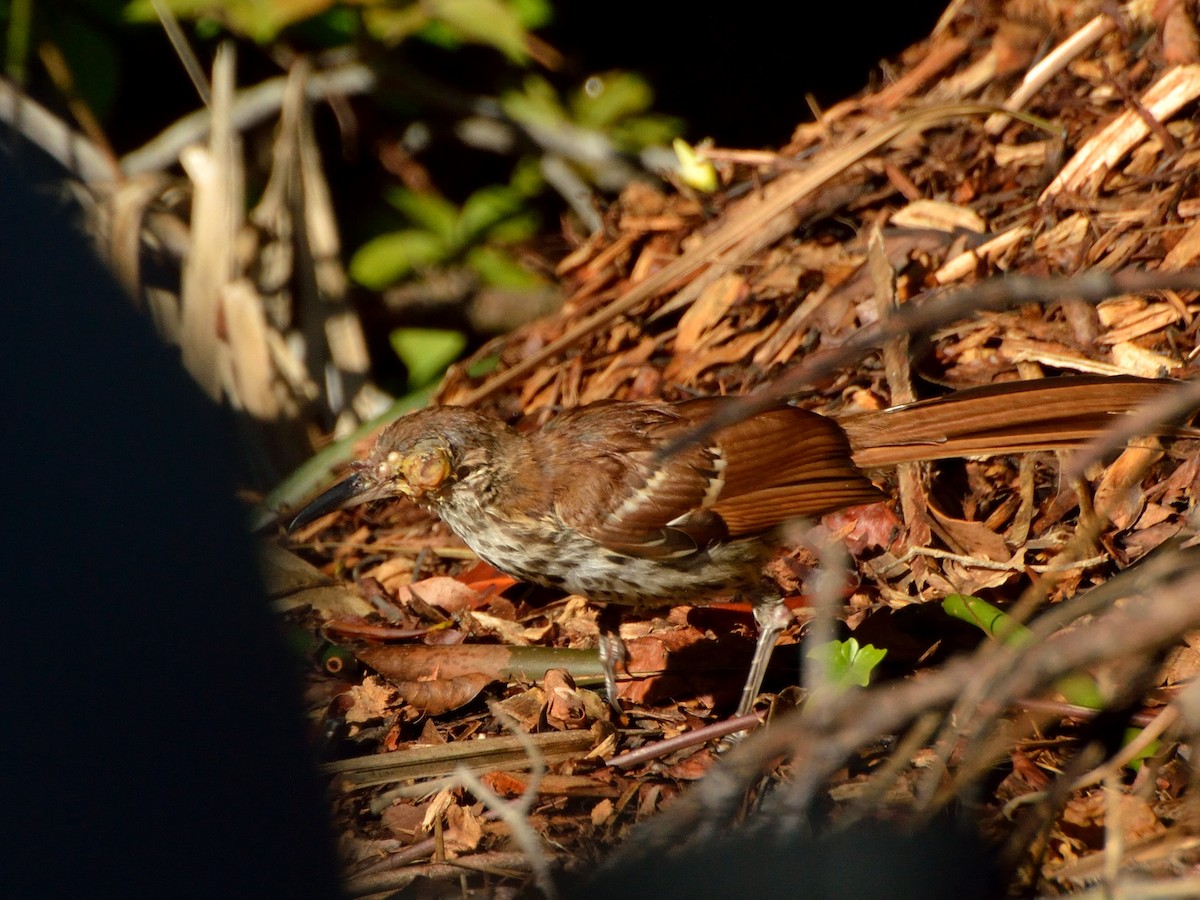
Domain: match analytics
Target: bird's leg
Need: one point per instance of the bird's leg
(772, 616)
(613, 652)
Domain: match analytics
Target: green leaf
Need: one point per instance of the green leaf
(846, 663)
(143, 10)
(433, 213)
(515, 230)
(488, 22)
(386, 259)
(487, 207)
(261, 20)
(391, 26)
(535, 104)
(527, 179)
(606, 99)
(17, 18)
(1147, 752)
(636, 132)
(334, 28)
(426, 352)
(498, 269)
(532, 13)
(484, 366)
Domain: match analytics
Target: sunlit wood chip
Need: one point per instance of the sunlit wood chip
(1096, 158)
(1136, 360)
(939, 216)
(988, 252)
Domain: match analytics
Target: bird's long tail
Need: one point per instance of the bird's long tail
(1014, 417)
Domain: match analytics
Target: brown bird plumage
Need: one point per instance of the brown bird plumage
(587, 504)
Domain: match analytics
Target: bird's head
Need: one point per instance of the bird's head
(423, 456)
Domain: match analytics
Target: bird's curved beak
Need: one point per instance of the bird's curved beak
(348, 492)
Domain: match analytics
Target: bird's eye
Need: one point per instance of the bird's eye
(426, 470)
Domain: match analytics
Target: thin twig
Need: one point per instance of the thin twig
(914, 318)
(515, 814)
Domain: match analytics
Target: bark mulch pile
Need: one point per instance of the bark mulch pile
(911, 196)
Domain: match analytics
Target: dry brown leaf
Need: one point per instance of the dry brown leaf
(1138, 819)
(1185, 251)
(601, 812)
(411, 662)
(694, 766)
(1119, 496)
(566, 706)
(508, 631)
(1182, 665)
(708, 310)
(297, 583)
(974, 539)
(738, 348)
(504, 784)
(435, 697)
(405, 821)
(447, 594)
(1180, 43)
(862, 528)
(370, 701)
(394, 573)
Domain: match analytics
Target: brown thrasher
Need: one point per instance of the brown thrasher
(588, 504)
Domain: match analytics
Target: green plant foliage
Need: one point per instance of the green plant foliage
(536, 103)
(527, 179)
(391, 25)
(498, 269)
(533, 13)
(606, 99)
(484, 366)
(259, 20)
(614, 106)
(426, 352)
(388, 258)
(487, 208)
(499, 24)
(1078, 688)
(846, 663)
(490, 22)
(445, 233)
(1146, 753)
(636, 132)
(434, 214)
(78, 32)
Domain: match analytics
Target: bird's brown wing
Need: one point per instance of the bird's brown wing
(785, 463)
(781, 464)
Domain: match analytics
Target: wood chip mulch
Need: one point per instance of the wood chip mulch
(899, 196)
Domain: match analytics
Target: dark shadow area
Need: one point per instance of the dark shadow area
(740, 74)
(154, 745)
(866, 862)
